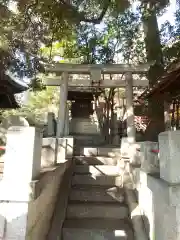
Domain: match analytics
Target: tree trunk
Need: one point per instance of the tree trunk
(154, 53)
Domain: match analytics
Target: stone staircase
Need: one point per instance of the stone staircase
(97, 208)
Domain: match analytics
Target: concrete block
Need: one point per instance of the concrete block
(169, 146)
(61, 150)
(47, 157)
(3, 206)
(90, 151)
(84, 126)
(23, 154)
(13, 220)
(167, 193)
(149, 159)
(69, 147)
(48, 152)
(124, 147)
(51, 124)
(128, 150)
(159, 203)
(16, 217)
(146, 204)
(136, 177)
(64, 150)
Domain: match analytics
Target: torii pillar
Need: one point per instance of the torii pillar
(131, 131)
(62, 116)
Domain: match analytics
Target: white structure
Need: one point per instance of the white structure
(94, 79)
(159, 187)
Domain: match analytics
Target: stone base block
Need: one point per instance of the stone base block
(149, 158)
(169, 146)
(160, 203)
(64, 150)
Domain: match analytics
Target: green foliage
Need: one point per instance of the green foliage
(69, 30)
(170, 35)
(39, 104)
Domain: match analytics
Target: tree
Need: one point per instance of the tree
(39, 104)
(68, 28)
(171, 40)
(154, 53)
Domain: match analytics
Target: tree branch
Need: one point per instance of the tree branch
(81, 15)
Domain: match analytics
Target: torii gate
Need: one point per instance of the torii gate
(94, 79)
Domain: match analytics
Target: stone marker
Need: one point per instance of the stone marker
(149, 159)
(50, 124)
(23, 154)
(22, 166)
(169, 151)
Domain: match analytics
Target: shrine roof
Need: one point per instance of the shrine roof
(11, 84)
(168, 83)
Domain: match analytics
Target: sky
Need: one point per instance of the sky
(169, 14)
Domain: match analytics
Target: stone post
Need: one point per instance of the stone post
(169, 144)
(66, 133)
(50, 124)
(129, 108)
(131, 132)
(167, 115)
(149, 159)
(21, 166)
(159, 194)
(62, 105)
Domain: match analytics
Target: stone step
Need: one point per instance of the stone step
(98, 160)
(98, 170)
(101, 151)
(97, 229)
(97, 194)
(99, 180)
(96, 210)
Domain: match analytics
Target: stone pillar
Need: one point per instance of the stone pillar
(116, 138)
(129, 108)
(21, 166)
(51, 124)
(167, 115)
(66, 133)
(62, 105)
(131, 132)
(23, 154)
(149, 159)
(169, 146)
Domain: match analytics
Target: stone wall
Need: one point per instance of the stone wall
(40, 211)
(84, 126)
(158, 185)
(28, 192)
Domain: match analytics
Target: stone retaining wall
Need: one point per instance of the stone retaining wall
(158, 185)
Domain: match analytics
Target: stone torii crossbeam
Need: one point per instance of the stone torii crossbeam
(93, 79)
